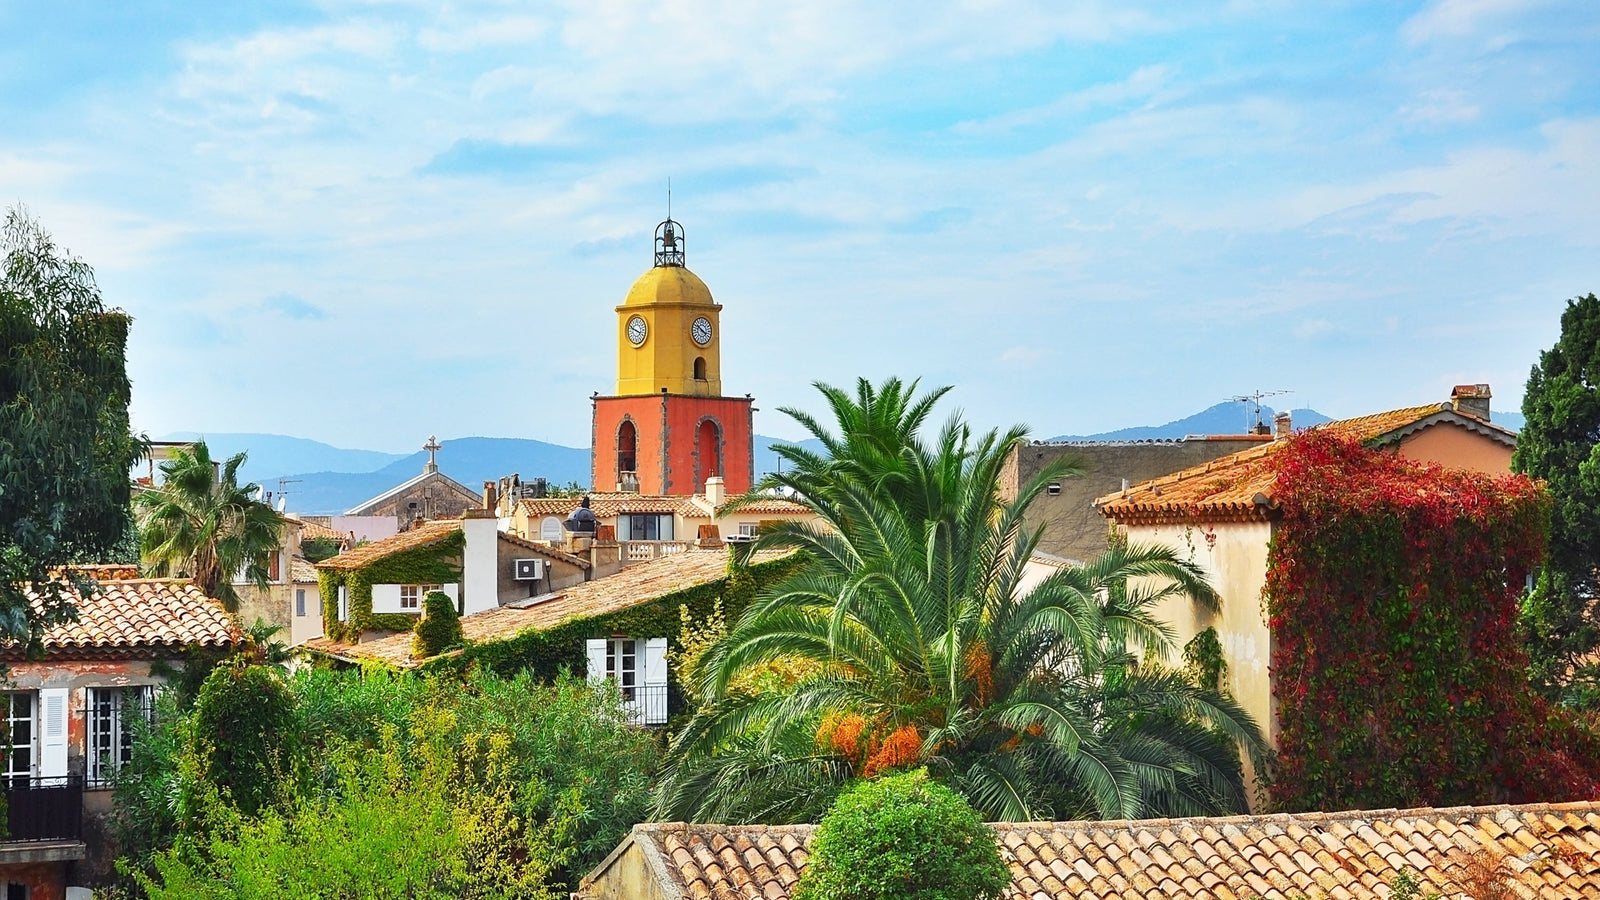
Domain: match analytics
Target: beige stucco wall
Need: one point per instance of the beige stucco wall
(1236, 565)
(304, 628)
(626, 876)
(1454, 446)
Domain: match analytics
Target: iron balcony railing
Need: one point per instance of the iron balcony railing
(44, 809)
(645, 704)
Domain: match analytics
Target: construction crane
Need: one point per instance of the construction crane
(1255, 398)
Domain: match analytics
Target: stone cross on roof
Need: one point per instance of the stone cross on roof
(433, 447)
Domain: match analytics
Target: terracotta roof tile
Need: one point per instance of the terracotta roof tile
(421, 536)
(635, 584)
(1239, 486)
(126, 617)
(1351, 855)
(611, 505)
(301, 571)
(311, 531)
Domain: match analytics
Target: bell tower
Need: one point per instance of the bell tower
(668, 428)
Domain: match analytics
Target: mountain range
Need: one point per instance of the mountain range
(320, 479)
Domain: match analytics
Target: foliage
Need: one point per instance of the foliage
(243, 734)
(440, 626)
(1203, 661)
(431, 818)
(1560, 444)
(1407, 886)
(261, 636)
(557, 758)
(925, 650)
(1392, 591)
(435, 563)
(316, 550)
(547, 653)
(203, 525)
(902, 838)
(65, 444)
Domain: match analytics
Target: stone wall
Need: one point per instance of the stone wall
(1072, 527)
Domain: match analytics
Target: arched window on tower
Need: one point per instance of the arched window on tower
(709, 444)
(627, 454)
(699, 368)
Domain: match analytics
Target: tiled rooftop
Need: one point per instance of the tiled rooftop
(1539, 851)
(611, 505)
(301, 571)
(1239, 486)
(421, 536)
(311, 531)
(636, 584)
(128, 616)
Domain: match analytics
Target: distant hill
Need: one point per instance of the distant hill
(328, 480)
(470, 461)
(1228, 417)
(1231, 417)
(271, 455)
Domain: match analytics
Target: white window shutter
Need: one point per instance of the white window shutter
(596, 648)
(53, 732)
(655, 661)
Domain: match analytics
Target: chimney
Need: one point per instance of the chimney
(716, 491)
(1471, 400)
(490, 500)
(1282, 425)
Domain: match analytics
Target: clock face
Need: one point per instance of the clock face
(701, 329)
(637, 330)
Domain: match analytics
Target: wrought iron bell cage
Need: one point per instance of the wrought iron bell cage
(669, 243)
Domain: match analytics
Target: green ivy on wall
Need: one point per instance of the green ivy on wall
(436, 563)
(546, 653)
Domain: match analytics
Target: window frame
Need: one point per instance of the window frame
(108, 739)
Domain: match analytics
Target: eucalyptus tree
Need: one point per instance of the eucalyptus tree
(203, 525)
(927, 647)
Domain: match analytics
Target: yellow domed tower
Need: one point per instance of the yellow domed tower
(668, 328)
(668, 429)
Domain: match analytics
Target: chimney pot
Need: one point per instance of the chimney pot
(716, 491)
(1471, 400)
(1282, 425)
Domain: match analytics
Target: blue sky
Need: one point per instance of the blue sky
(365, 222)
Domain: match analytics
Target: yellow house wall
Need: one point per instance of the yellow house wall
(626, 877)
(1236, 565)
(1458, 448)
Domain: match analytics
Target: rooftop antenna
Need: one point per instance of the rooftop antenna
(1255, 398)
(283, 492)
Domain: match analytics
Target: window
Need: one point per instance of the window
(411, 595)
(300, 601)
(16, 891)
(19, 728)
(647, 527)
(622, 664)
(699, 368)
(748, 529)
(1053, 488)
(344, 603)
(111, 714)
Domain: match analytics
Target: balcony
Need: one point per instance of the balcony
(645, 704)
(639, 551)
(42, 811)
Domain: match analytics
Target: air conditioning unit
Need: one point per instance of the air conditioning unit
(527, 569)
(739, 538)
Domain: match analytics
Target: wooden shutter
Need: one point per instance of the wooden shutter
(53, 732)
(655, 681)
(596, 648)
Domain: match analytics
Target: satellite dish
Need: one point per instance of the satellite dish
(551, 530)
(283, 502)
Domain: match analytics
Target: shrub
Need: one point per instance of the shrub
(439, 628)
(903, 838)
(244, 729)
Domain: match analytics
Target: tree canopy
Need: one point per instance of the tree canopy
(202, 524)
(924, 647)
(65, 445)
(1561, 445)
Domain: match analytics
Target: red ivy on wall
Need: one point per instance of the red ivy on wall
(1392, 591)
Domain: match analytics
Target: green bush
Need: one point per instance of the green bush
(439, 628)
(244, 722)
(903, 838)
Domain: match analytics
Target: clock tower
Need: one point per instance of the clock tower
(668, 428)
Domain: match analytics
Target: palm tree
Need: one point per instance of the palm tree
(203, 525)
(1048, 702)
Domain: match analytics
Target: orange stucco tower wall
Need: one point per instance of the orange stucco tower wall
(667, 428)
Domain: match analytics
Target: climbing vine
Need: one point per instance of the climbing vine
(436, 563)
(1392, 592)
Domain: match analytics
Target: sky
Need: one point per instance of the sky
(366, 222)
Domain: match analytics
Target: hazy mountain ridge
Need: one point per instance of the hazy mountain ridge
(321, 479)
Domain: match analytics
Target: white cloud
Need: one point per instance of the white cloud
(1440, 107)
(1460, 18)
